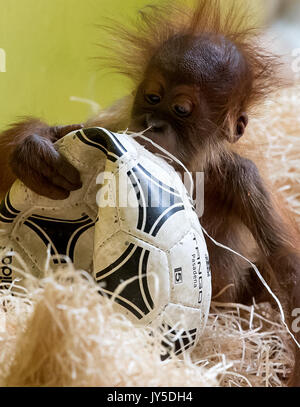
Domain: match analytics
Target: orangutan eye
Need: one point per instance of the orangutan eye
(182, 110)
(153, 99)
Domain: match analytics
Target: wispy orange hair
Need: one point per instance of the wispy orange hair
(132, 46)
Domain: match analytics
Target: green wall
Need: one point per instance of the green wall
(50, 50)
(50, 47)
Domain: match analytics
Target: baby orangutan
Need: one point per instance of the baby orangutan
(196, 78)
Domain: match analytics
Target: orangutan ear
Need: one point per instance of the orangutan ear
(241, 125)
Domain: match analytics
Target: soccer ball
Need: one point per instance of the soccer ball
(132, 225)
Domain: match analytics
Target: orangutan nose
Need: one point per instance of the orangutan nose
(157, 125)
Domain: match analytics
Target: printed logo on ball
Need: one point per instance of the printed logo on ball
(178, 275)
(6, 271)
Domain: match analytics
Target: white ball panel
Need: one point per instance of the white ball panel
(83, 156)
(129, 143)
(21, 197)
(9, 264)
(182, 317)
(181, 327)
(189, 272)
(70, 234)
(108, 218)
(123, 258)
(155, 211)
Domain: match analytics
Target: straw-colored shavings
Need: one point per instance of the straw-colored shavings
(60, 332)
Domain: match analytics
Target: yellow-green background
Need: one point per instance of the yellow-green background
(50, 46)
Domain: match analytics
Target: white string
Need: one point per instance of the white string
(134, 135)
(261, 279)
(220, 244)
